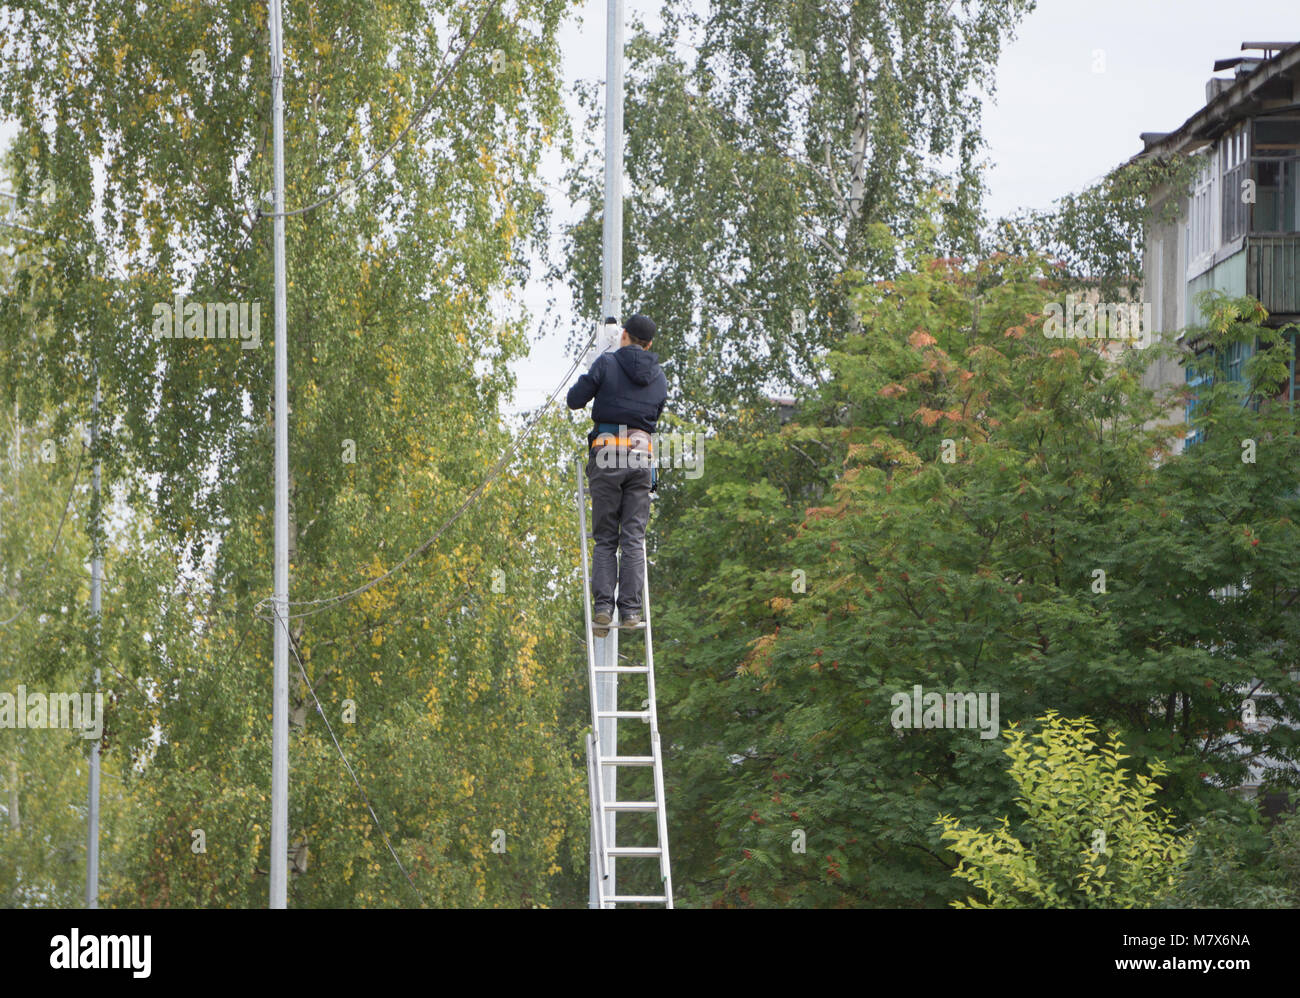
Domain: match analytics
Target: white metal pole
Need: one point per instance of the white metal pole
(280, 699)
(611, 303)
(612, 271)
(96, 575)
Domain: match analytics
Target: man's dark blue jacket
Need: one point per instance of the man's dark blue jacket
(629, 388)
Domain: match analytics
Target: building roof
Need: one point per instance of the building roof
(1261, 84)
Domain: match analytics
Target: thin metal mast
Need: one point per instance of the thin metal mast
(280, 598)
(612, 270)
(611, 304)
(96, 577)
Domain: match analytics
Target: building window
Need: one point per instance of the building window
(1232, 359)
(1234, 166)
(1275, 166)
(1200, 218)
(1228, 366)
(1156, 283)
(1196, 435)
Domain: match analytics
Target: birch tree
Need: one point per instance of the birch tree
(797, 143)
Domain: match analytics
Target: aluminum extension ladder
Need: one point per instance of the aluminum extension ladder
(603, 760)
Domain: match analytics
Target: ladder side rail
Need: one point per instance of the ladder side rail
(661, 812)
(601, 857)
(661, 816)
(586, 602)
(597, 825)
(599, 832)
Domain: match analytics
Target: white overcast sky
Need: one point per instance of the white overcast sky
(1054, 125)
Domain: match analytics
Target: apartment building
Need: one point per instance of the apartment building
(1239, 229)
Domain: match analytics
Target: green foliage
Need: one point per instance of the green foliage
(469, 709)
(46, 648)
(1090, 838)
(799, 141)
(1236, 323)
(795, 213)
(1238, 862)
(1097, 236)
(979, 574)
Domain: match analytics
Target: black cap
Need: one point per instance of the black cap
(640, 327)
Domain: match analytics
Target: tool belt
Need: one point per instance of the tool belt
(607, 435)
(635, 441)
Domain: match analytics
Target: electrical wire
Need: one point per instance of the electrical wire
(471, 499)
(54, 546)
(330, 602)
(423, 112)
(347, 765)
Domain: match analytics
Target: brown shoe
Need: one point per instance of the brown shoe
(601, 628)
(629, 620)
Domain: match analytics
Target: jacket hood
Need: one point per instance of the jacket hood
(641, 366)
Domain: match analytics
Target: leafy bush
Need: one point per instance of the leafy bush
(1091, 838)
(1235, 863)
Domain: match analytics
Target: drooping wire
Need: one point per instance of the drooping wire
(423, 112)
(330, 602)
(55, 544)
(347, 765)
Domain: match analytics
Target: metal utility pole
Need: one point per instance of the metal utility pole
(611, 299)
(96, 578)
(611, 303)
(280, 598)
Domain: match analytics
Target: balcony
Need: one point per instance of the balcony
(1273, 272)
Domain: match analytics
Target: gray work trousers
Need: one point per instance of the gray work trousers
(620, 510)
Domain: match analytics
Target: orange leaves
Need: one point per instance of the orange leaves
(760, 656)
(931, 416)
(921, 339)
(1015, 332)
(893, 391)
(822, 512)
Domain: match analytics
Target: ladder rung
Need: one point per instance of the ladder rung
(636, 898)
(632, 805)
(634, 852)
(623, 668)
(625, 715)
(638, 626)
(628, 760)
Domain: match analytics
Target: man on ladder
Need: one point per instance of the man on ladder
(630, 390)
